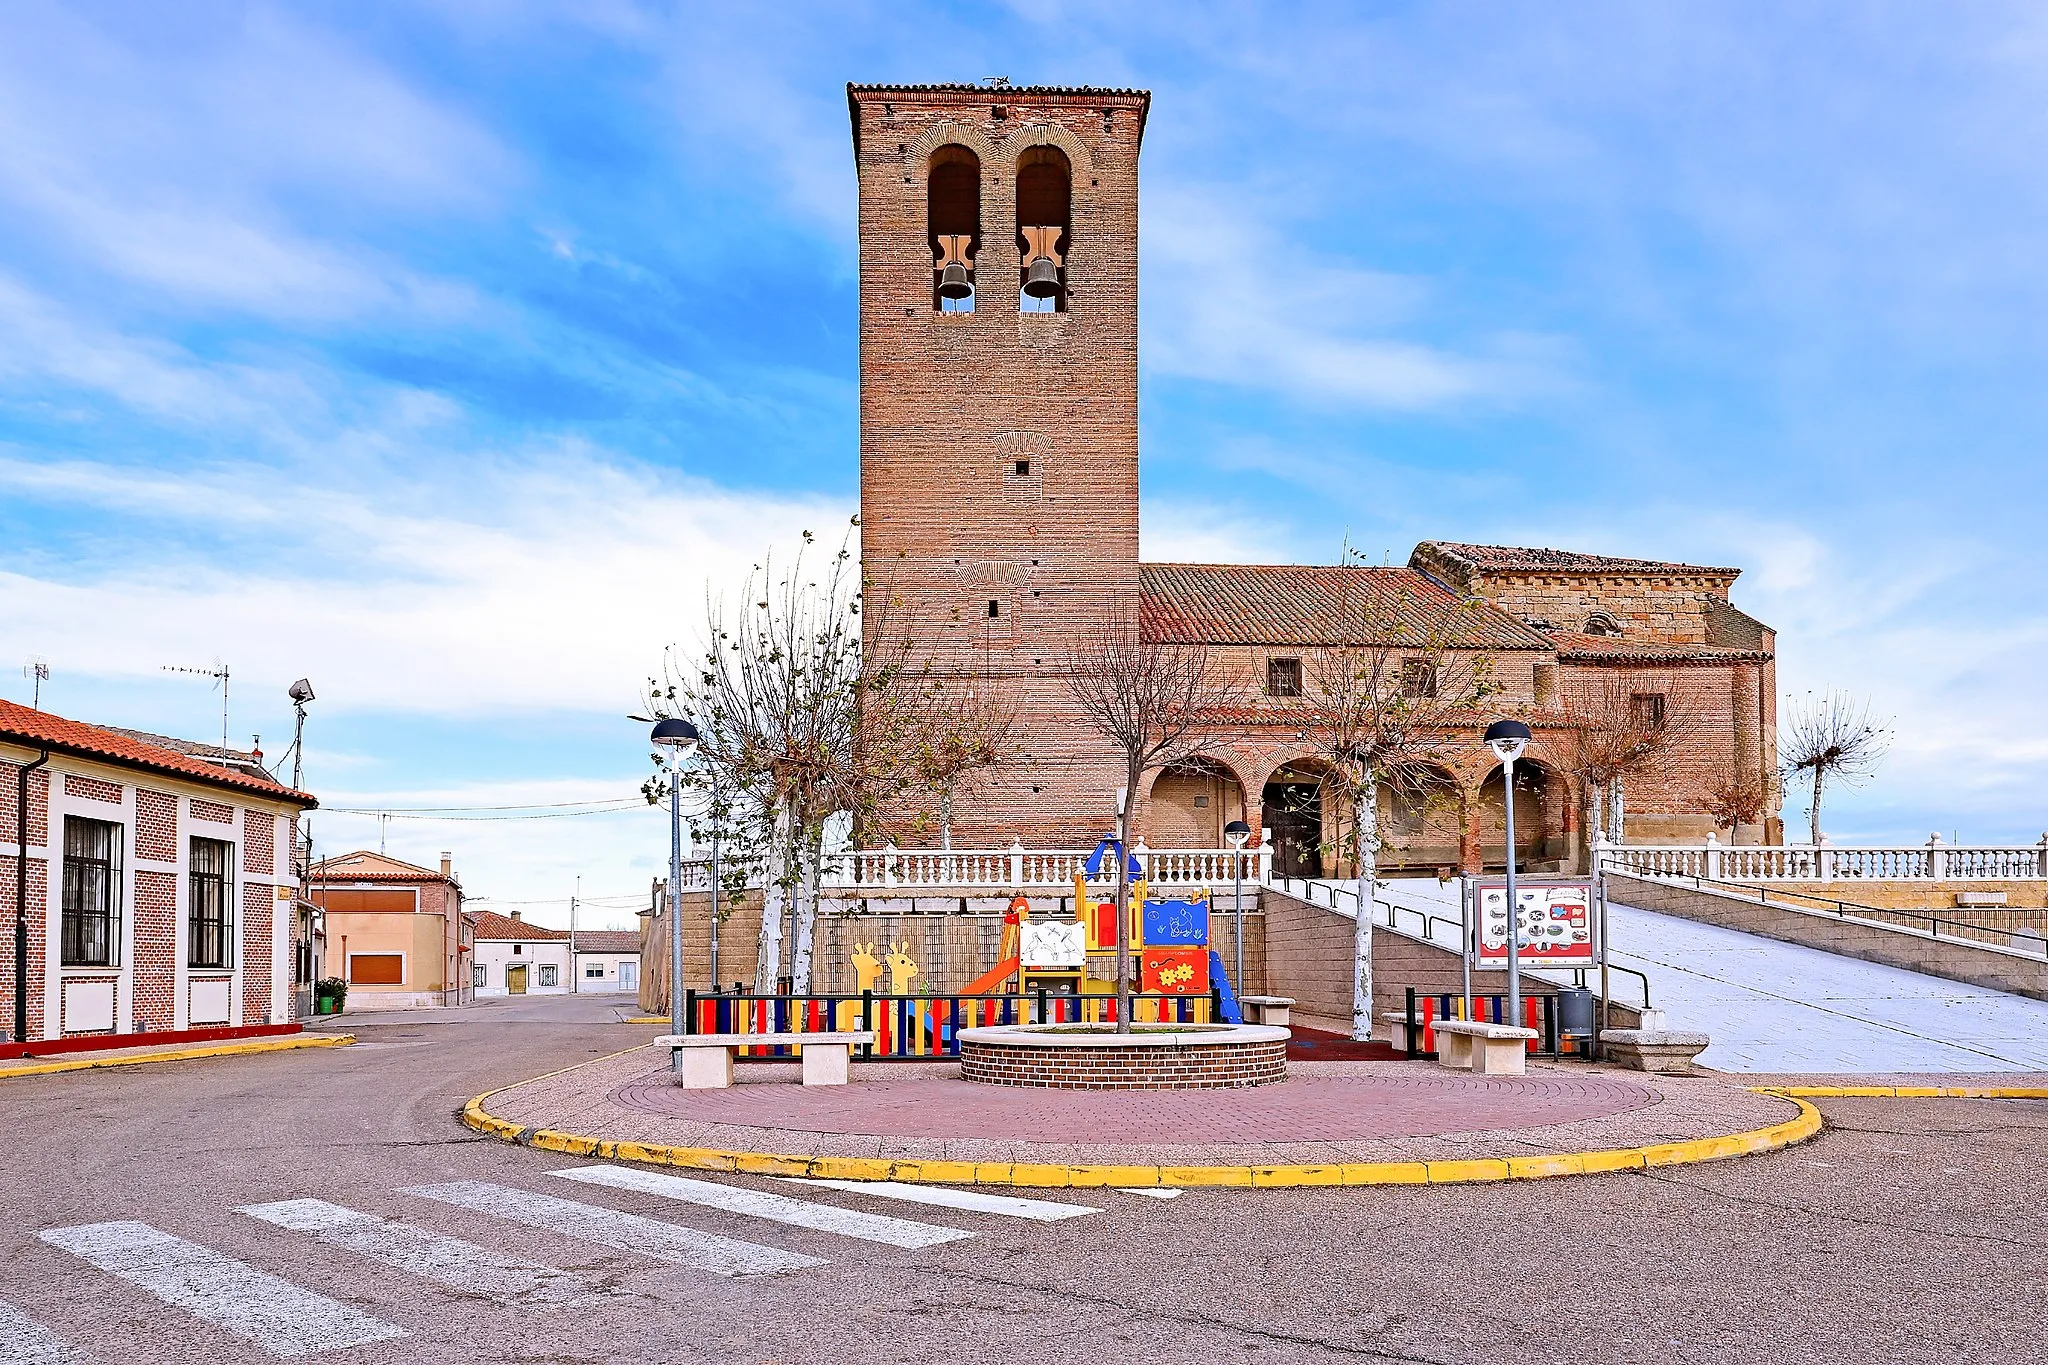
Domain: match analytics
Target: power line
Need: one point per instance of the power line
(428, 815)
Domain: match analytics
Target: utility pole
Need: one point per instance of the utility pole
(575, 986)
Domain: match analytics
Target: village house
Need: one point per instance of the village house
(998, 235)
(395, 931)
(151, 887)
(607, 959)
(517, 958)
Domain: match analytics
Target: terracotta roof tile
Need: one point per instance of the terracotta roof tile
(22, 725)
(1577, 647)
(1292, 604)
(607, 941)
(365, 866)
(1525, 559)
(492, 926)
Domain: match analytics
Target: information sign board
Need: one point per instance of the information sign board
(1556, 924)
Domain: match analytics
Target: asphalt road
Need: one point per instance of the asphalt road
(1912, 1230)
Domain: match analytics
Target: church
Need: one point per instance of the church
(999, 499)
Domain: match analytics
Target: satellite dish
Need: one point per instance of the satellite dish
(301, 691)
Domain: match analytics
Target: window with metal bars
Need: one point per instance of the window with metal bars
(210, 914)
(1283, 677)
(92, 893)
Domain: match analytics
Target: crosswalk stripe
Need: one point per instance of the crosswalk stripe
(447, 1261)
(869, 1227)
(940, 1196)
(256, 1306)
(24, 1341)
(625, 1231)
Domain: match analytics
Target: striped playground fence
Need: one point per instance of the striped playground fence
(914, 1028)
(1539, 1012)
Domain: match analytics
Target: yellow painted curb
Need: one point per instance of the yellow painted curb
(1909, 1092)
(1053, 1175)
(183, 1054)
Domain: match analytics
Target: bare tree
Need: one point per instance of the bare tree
(1622, 725)
(811, 705)
(1741, 798)
(1155, 701)
(1392, 702)
(1831, 737)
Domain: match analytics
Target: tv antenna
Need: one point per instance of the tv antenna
(37, 668)
(219, 673)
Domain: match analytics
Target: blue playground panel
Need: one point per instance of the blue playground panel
(1176, 924)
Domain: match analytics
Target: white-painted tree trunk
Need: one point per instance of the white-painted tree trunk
(813, 853)
(1620, 825)
(1365, 817)
(774, 905)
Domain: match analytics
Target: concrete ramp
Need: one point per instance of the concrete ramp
(1773, 1006)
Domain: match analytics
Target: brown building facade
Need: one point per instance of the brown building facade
(999, 512)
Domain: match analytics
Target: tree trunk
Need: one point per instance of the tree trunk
(774, 903)
(813, 854)
(1620, 813)
(1816, 806)
(1123, 909)
(1365, 826)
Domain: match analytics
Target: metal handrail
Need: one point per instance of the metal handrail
(1869, 913)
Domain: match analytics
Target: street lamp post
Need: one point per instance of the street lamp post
(678, 739)
(1236, 832)
(1507, 739)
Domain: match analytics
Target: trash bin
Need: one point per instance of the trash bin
(1575, 1015)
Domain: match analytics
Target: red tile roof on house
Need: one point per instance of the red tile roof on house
(1525, 559)
(1296, 604)
(40, 729)
(1577, 647)
(607, 941)
(490, 926)
(365, 866)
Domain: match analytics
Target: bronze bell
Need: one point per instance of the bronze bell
(953, 282)
(1042, 279)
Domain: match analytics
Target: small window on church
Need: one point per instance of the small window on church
(1600, 623)
(1418, 678)
(1646, 709)
(1283, 677)
(1023, 466)
(995, 609)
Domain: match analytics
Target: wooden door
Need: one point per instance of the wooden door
(515, 980)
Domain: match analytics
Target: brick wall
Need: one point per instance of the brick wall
(212, 811)
(156, 962)
(949, 403)
(1192, 1067)
(258, 902)
(91, 788)
(38, 881)
(156, 825)
(259, 843)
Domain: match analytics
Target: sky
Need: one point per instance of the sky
(452, 354)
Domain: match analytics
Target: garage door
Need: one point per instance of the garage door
(376, 969)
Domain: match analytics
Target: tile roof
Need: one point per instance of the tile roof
(365, 866)
(1295, 604)
(131, 749)
(607, 941)
(1525, 559)
(1576, 647)
(492, 926)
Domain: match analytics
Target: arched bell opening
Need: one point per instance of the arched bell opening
(1044, 217)
(953, 226)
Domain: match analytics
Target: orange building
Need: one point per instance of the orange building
(395, 931)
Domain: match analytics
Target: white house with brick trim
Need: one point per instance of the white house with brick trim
(607, 959)
(157, 883)
(517, 958)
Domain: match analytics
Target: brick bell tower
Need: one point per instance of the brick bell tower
(999, 405)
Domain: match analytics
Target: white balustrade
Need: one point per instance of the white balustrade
(1933, 861)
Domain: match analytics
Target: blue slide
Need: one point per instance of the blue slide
(1226, 996)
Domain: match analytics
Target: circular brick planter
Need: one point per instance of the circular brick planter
(1151, 1057)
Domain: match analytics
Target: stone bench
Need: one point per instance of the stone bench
(1653, 1049)
(707, 1057)
(1484, 1049)
(1267, 1009)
